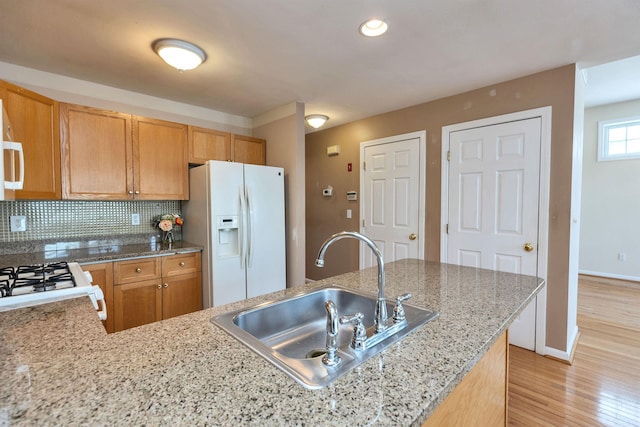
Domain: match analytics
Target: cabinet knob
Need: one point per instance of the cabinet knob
(130, 191)
(181, 264)
(166, 285)
(138, 270)
(160, 286)
(137, 192)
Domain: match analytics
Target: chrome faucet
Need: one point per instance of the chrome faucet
(381, 304)
(331, 357)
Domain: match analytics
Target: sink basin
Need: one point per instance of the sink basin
(291, 332)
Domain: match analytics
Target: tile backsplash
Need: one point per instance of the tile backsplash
(62, 219)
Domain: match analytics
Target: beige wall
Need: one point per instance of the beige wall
(286, 149)
(553, 88)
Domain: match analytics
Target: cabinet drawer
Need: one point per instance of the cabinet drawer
(175, 265)
(136, 270)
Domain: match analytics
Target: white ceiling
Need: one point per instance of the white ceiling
(263, 54)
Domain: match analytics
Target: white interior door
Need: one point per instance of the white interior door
(392, 204)
(493, 205)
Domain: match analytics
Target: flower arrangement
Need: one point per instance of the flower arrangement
(166, 223)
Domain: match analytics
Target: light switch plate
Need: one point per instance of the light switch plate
(18, 223)
(135, 219)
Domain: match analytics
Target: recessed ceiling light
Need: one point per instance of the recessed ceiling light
(316, 120)
(373, 28)
(179, 53)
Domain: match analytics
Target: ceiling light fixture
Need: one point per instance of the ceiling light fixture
(179, 54)
(373, 28)
(316, 120)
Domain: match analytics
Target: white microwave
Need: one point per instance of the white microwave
(9, 149)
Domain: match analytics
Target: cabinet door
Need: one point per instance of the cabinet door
(247, 149)
(136, 304)
(161, 159)
(34, 122)
(208, 144)
(103, 276)
(181, 295)
(97, 155)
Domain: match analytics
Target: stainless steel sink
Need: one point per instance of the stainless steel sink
(291, 332)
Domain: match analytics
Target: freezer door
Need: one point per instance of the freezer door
(266, 253)
(227, 190)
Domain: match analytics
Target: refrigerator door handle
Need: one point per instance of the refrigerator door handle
(241, 228)
(249, 225)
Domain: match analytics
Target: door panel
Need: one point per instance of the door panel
(391, 189)
(494, 180)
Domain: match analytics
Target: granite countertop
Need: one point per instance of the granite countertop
(104, 250)
(60, 367)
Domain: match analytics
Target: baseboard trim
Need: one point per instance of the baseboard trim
(609, 275)
(561, 355)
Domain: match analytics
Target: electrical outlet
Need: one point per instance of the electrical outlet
(135, 219)
(18, 223)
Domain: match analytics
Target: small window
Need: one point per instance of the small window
(619, 139)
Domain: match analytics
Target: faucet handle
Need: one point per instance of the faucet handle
(398, 310)
(359, 337)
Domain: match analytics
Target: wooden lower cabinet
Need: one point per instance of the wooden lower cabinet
(145, 290)
(481, 397)
(181, 295)
(136, 304)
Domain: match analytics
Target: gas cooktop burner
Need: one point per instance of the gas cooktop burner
(35, 278)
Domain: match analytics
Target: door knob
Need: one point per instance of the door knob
(412, 236)
(528, 247)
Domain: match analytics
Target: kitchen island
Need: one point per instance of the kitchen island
(60, 367)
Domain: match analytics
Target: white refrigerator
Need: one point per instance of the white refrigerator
(236, 212)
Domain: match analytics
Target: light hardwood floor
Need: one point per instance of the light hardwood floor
(602, 386)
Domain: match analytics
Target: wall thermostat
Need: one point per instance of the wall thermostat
(352, 195)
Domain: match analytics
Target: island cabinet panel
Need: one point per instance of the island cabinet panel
(481, 398)
(146, 290)
(247, 149)
(97, 153)
(108, 155)
(208, 144)
(33, 121)
(161, 156)
(102, 274)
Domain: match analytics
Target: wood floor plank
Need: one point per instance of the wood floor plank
(602, 386)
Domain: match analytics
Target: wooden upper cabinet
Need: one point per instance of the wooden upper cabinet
(108, 155)
(247, 149)
(97, 153)
(160, 153)
(34, 123)
(208, 144)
